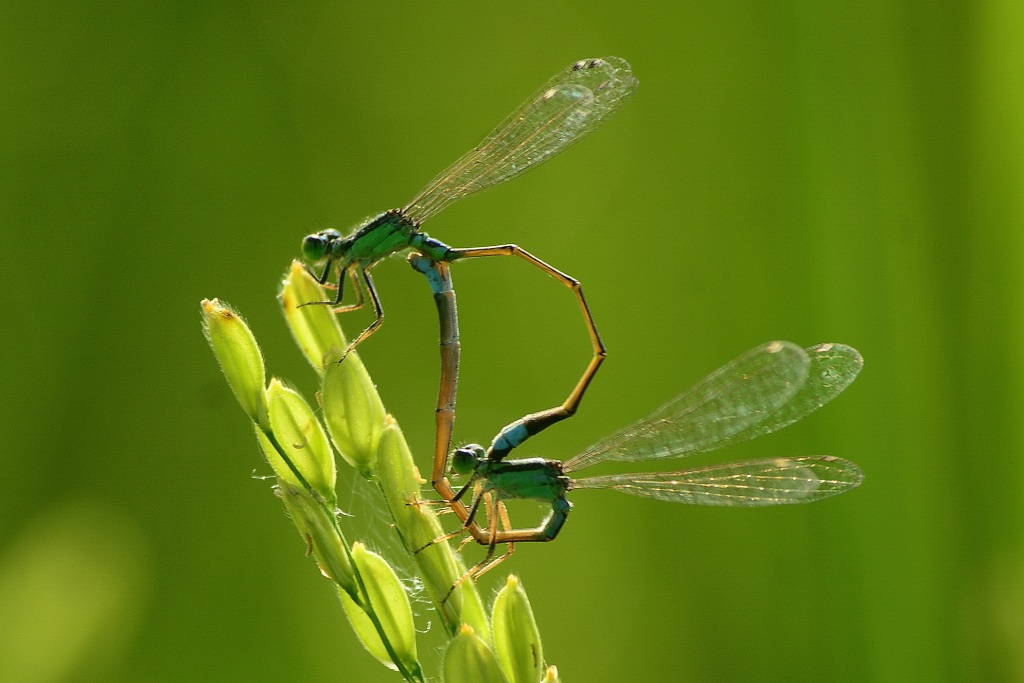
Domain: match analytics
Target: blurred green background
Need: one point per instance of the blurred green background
(843, 171)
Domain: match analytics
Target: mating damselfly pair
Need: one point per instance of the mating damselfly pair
(765, 389)
(762, 391)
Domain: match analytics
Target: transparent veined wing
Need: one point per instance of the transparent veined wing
(741, 393)
(756, 483)
(762, 391)
(565, 109)
(833, 368)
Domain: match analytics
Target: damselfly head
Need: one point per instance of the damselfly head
(467, 458)
(318, 245)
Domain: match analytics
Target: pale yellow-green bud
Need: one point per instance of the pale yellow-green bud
(239, 356)
(516, 637)
(315, 327)
(353, 412)
(318, 530)
(389, 602)
(301, 438)
(469, 660)
(365, 631)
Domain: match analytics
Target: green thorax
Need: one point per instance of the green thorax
(388, 233)
(535, 478)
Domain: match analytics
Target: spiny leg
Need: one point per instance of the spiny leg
(338, 307)
(548, 530)
(322, 281)
(471, 524)
(340, 287)
(495, 511)
(470, 515)
(322, 277)
(490, 562)
(466, 540)
(377, 310)
(440, 506)
(546, 418)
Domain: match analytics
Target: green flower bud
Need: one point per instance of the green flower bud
(320, 533)
(398, 478)
(516, 637)
(301, 438)
(387, 598)
(365, 631)
(469, 660)
(315, 327)
(353, 412)
(239, 356)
